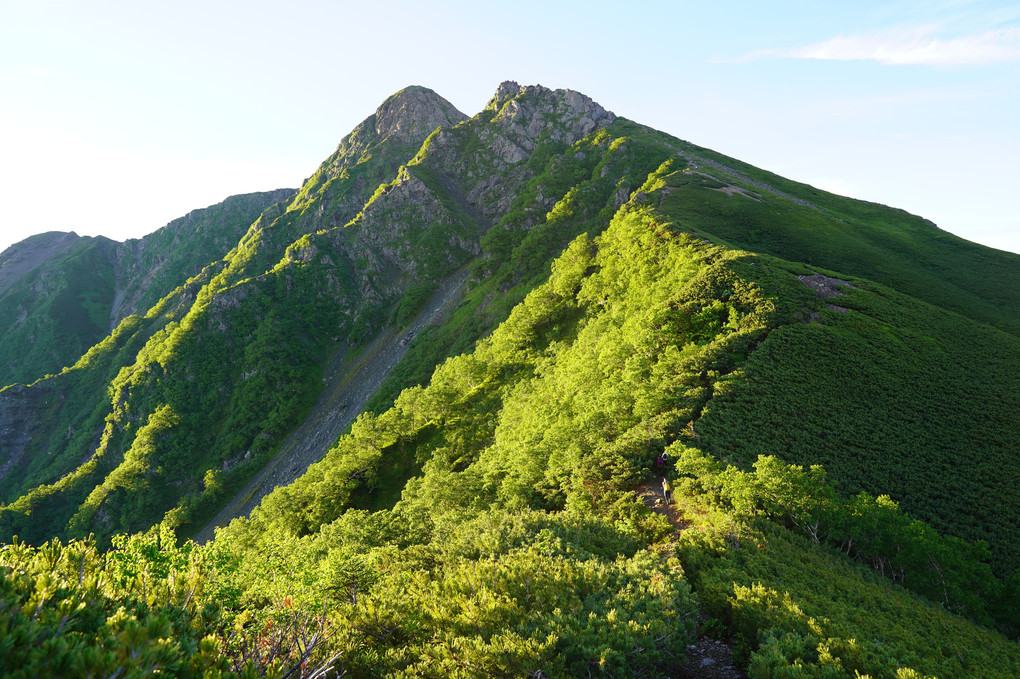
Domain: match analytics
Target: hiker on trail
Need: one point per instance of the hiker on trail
(667, 491)
(665, 459)
(660, 463)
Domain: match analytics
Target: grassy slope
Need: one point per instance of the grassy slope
(797, 609)
(589, 179)
(583, 184)
(898, 396)
(883, 244)
(901, 398)
(563, 408)
(614, 358)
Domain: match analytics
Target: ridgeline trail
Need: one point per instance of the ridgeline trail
(350, 382)
(707, 657)
(650, 493)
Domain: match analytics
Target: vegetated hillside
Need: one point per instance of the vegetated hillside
(625, 350)
(55, 303)
(150, 267)
(902, 398)
(773, 215)
(893, 397)
(204, 387)
(516, 545)
(60, 294)
(736, 204)
(483, 521)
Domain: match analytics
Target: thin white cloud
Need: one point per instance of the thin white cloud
(914, 46)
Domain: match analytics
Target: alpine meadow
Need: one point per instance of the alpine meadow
(541, 392)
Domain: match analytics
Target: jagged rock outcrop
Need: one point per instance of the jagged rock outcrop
(529, 113)
(515, 121)
(412, 114)
(369, 156)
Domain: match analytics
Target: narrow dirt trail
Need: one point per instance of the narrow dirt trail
(350, 382)
(650, 493)
(706, 658)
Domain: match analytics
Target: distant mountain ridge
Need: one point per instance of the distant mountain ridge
(23, 257)
(149, 267)
(61, 293)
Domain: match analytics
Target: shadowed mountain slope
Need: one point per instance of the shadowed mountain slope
(61, 293)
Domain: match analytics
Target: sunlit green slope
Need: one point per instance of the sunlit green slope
(893, 395)
(482, 520)
(760, 211)
(628, 349)
(220, 371)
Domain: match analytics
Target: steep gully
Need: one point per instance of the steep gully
(350, 382)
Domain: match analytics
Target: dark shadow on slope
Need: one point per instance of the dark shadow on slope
(350, 382)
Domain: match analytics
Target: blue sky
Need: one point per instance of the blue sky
(116, 117)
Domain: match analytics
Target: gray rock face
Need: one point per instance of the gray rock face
(515, 122)
(536, 112)
(407, 117)
(371, 154)
(396, 227)
(413, 113)
(466, 192)
(506, 90)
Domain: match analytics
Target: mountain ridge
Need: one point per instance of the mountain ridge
(462, 201)
(243, 274)
(63, 298)
(628, 294)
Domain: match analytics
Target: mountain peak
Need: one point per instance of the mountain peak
(508, 89)
(24, 256)
(565, 115)
(413, 113)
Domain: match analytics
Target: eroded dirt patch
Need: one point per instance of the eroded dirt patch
(825, 286)
(709, 659)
